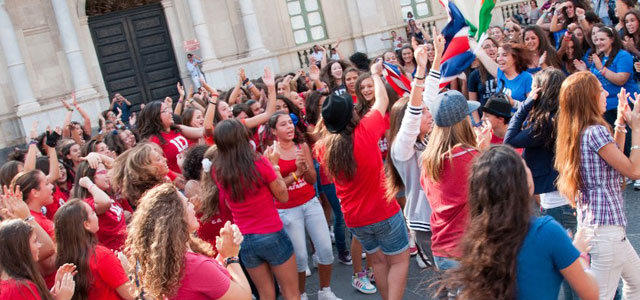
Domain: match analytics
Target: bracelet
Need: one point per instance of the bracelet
(33, 142)
(250, 85)
(634, 147)
(620, 128)
(212, 102)
(295, 177)
(276, 167)
(91, 186)
(214, 95)
(603, 71)
(70, 109)
(418, 84)
(419, 78)
(244, 82)
(586, 257)
(29, 219)
(231, 260)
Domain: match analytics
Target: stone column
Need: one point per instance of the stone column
(72, 50)
(251, 28)
(25, 101)
(201, 30)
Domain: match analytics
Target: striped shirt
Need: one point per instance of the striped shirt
(600, 199)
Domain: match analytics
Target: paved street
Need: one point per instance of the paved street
(419, 280)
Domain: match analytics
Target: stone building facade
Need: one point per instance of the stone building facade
(49, 48)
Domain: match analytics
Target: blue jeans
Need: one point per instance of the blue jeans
(445, 263)
(310, 216)
(390, 235)
(566, 216)
(338, 219)
(272, 248)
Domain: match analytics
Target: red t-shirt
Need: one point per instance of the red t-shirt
(18, 289)
(448, 199)
(60, 197)
(204, 279)
(257, 213)
(210, 229)
(108, 274)
(498, 141)
(175, 143)
(113, 227)
(45, 223)
(300, 191)
(363, 199)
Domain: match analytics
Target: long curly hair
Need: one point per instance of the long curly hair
(75, 244)
(158, 241)
(16, 259)
(325, 73)
(234, 165)
(500, 209)
(209, 189)
(338, 159)
(541, 118)
(578, 109)
(133, 172)
(520, 55)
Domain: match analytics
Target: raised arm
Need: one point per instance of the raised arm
(66, 131)
(85, 116)
(101, 200)
(191, 132)
(382, 100)
(627, 166)
(178, 110)
(212, 102)
(485, 60)
(262, 118)
(32, 151)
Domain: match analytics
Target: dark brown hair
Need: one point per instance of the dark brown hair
(16, 259)
(75, 244)
(234, 165)
(541, 118)
(150, 121)
(544, 45)
(27, 181)
(394, 182)
(520, 55)
(338, 159)
(500, 209)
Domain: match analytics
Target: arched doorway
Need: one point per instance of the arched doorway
(134, 49)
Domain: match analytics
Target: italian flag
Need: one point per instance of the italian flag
(477, 14)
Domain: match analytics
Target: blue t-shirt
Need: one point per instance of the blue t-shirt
(125, 112)
(557, 36)
(546, 250)
(518, 88)
(623, 62)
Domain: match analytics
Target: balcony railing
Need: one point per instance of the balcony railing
(506, 9)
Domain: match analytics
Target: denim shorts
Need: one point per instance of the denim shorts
(390, 235)
(272, 248)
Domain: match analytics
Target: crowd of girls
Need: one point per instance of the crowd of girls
(217, 193)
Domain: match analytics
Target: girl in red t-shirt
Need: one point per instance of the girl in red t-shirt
(20, 276)
(36, 192)
(174, 264)
(156, 124)
(303, 210)
(248, 184)
(100, 273)
(91, 184)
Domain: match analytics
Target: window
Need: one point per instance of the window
(419, 8)
(307, 21)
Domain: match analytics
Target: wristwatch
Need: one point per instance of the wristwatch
(231, 260)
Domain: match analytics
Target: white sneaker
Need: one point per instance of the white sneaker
(361, 282)
(327, 294)
(636, 185)
(303, 296)
(314, 259)
(421, 263)
(307, 272)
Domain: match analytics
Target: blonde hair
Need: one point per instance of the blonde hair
(157, 242)
(133, 172)
(579, 108)
(442, 141)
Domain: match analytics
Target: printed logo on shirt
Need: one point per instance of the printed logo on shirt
(216, 221)
(298, 184)
(180, 142)
(116, 209)
(383, 145)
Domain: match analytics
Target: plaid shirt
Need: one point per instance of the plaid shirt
(600, 199)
